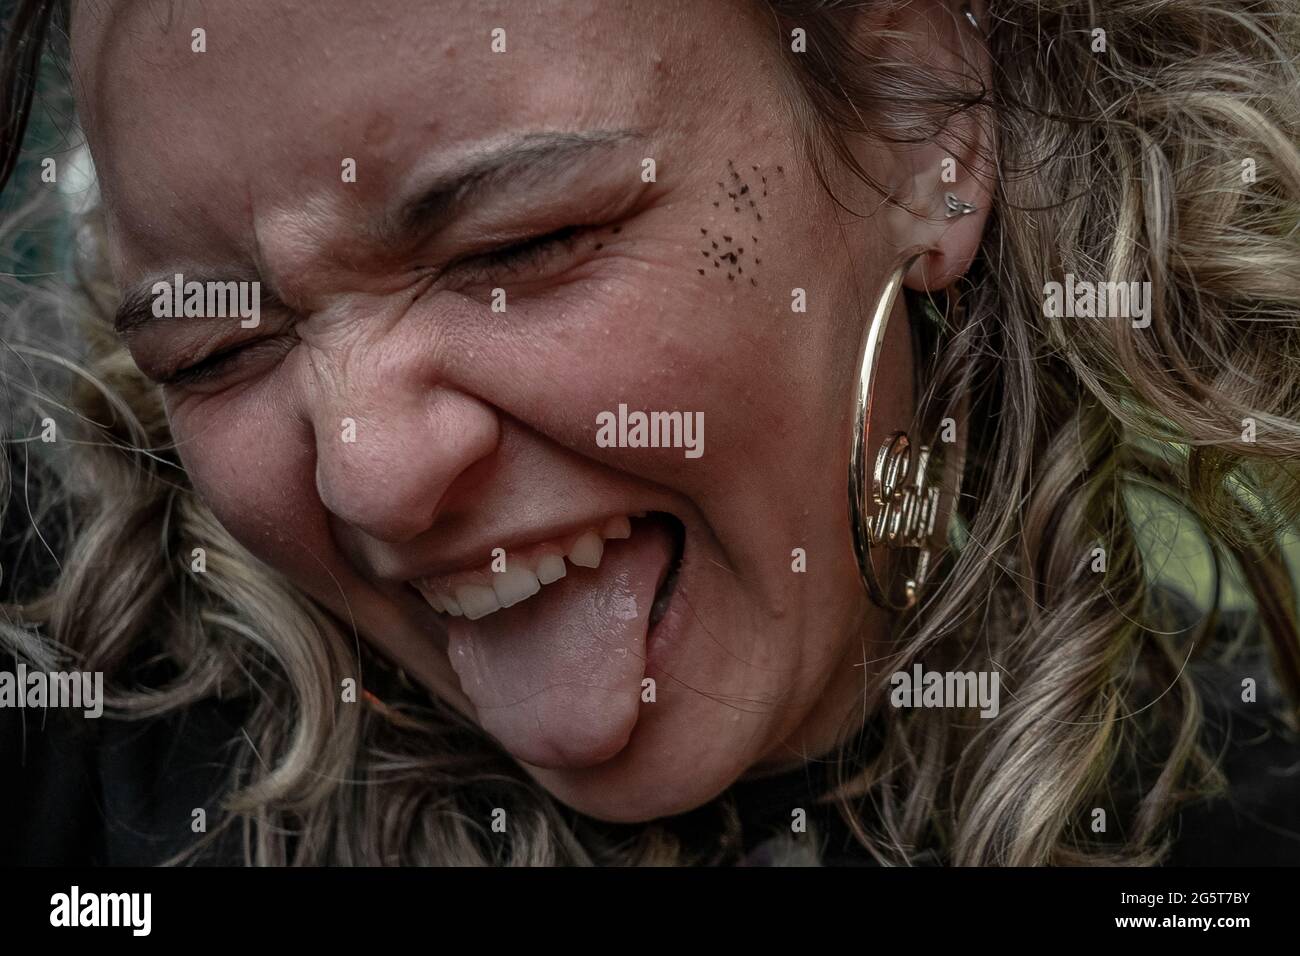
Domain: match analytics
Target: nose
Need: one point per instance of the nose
(385, 470)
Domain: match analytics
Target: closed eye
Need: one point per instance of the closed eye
(518, 257)
(213, 366)
(533, 253)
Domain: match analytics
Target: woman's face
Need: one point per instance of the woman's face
(631, 185)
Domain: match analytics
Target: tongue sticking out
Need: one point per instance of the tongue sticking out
(557, 678)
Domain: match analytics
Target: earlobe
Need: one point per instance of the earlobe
(951, 235)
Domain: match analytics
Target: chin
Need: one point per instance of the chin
(635, 787)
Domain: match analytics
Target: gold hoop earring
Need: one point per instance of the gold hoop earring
(898, 504)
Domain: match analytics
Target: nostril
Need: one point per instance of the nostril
(380, 513)
(386, 473)
(380, 492)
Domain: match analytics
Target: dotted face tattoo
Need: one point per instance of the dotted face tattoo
(743, 197)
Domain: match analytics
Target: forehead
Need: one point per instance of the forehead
(313, 52)
(285, 90)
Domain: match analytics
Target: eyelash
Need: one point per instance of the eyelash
(527, 253)
(209, 367)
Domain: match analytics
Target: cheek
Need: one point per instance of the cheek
(645, 330)
(252, 463)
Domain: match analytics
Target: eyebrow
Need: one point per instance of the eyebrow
(136, 307)
(531, 157)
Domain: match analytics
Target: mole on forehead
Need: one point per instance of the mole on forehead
(731, 243)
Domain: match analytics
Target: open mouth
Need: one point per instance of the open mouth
(664, 593)
(550, 647)
(476, 594)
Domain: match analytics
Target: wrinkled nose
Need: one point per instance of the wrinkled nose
(384, 471)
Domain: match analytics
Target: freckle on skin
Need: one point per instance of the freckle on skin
(600, 245)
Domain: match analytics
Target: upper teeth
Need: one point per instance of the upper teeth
(524, 576)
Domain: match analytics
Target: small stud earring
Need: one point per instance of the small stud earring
(956, 206)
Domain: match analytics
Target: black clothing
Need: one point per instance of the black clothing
(75, 791)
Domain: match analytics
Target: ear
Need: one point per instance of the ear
(942, 188)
